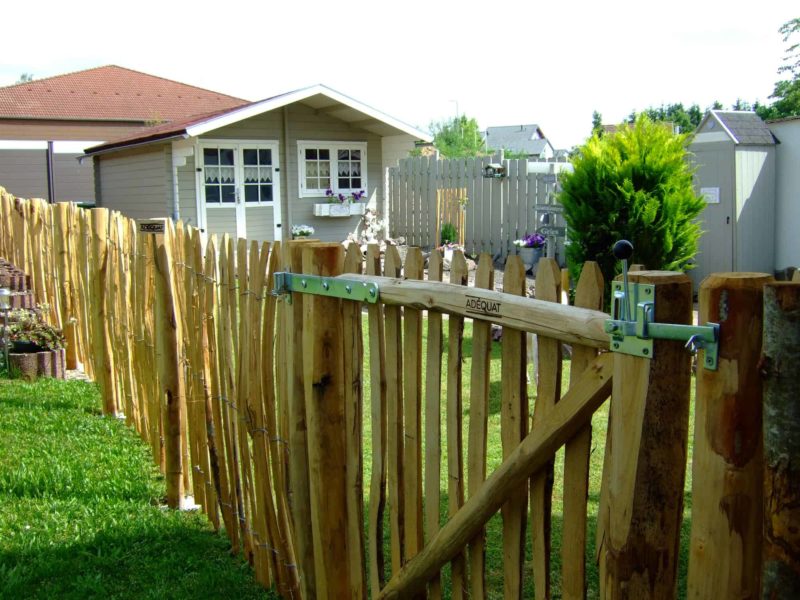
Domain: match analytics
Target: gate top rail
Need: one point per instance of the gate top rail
(566, 323)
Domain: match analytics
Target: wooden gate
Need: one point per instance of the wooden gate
(422, 377)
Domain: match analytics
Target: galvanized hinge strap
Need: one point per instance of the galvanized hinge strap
(634, 334)
(335, 287)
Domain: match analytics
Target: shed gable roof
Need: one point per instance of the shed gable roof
(318, 97)
(743, 127)
(109, 93)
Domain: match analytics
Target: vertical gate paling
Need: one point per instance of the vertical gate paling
(255, 405)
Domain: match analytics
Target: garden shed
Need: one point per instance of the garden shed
(734, 156)
(253, 171)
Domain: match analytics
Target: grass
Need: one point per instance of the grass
(81, 509)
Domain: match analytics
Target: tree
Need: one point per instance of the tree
(597, 124)
(787, 91)
(459, 137)
(634, 184)
(25, 78)
(685, 119)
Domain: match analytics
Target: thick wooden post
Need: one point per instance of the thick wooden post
(168, 332)
(780, 365)
(323, 343)
(727, 466)
(299, 492)
(650, 403)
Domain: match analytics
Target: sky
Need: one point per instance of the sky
(509, 63)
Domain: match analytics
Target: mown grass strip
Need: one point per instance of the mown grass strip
(81, 508)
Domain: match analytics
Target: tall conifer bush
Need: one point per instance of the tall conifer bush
(634, 184)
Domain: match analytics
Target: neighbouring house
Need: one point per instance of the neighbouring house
(254, 170)
(45, 124)
(734, 153)
(526, 139)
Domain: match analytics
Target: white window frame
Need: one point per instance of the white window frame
(333, 147)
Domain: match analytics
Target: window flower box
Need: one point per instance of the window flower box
(346, 209)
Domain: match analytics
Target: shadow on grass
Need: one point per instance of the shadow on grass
(494, 570)
(171, 559)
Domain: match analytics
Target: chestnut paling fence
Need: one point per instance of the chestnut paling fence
(253, 403)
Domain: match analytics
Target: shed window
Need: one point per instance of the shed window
(339, 166)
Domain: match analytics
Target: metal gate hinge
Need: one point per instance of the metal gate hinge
(334, 287)
(636, 336)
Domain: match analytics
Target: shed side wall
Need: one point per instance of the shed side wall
(787, 194)
(136, 182)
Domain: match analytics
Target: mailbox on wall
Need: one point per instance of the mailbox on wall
(494, 171)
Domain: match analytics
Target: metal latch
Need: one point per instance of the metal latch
(631, 327)
(335, 287)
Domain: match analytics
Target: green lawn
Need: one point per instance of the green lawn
(80, 509)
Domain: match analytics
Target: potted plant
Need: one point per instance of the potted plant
(341, 205)
(37, 348)
(530, 249)
(302, 231)
(449, 237)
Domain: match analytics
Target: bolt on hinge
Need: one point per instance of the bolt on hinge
(334, 287)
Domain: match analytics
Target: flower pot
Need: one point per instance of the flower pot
(530, 258)
(23, 347)
(30, 365)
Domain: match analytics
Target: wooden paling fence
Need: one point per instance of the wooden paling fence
(254, 403)
(497, 212)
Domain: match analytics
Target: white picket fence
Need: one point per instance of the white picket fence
(498, 211)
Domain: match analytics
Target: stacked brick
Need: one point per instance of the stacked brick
(48, 363)
(18, 282)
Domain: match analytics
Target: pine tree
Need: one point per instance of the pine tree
(634, 184)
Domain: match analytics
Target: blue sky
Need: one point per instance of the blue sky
(502, 63)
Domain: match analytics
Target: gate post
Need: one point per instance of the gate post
(323, 357)
(638, 552)
(725, 548)
(779, 366)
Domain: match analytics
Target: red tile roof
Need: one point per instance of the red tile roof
(110, 93)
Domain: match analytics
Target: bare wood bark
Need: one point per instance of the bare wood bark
(550, 319)
(478, 422)
(514, 428)
(588, 294)
(725, 547)
(650, 402)
(433, 420)
(780, 365)
(377, 369)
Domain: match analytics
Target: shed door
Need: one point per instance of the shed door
(715, 176)
(241, 189)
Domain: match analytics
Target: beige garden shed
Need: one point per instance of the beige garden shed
(734, 156)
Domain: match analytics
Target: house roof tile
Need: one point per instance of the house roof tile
(517, 138)
(109, 93)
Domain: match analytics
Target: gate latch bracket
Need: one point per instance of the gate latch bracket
(636, 336)
(334, 287)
